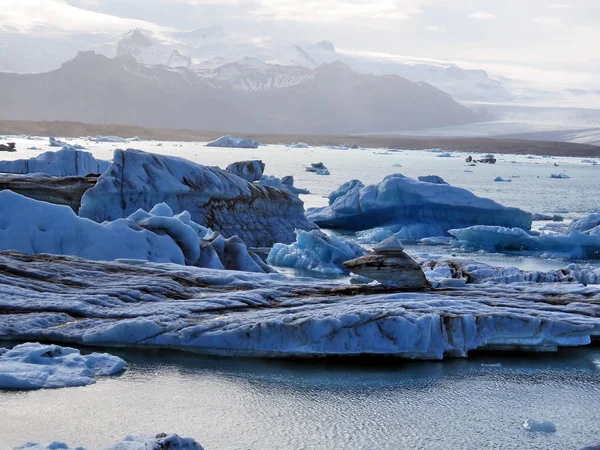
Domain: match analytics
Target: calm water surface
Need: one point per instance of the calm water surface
(227, 404)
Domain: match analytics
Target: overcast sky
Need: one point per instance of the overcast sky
(526, 35)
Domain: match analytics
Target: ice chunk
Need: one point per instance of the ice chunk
(38, 366)
(248, 170)
(502, 180)
(113, 139)
(571, 245)
(344, 189)
(158, 442)
(231, 142)
(63, 163)
(539, 427)
(390, 244)
(299, 145)
(559, 175)
(32, 227)
(435, 179)
(260, 216)
(585, 224)
(414, 209)
(314, 250)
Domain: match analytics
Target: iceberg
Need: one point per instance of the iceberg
(299, 145)
(33, 227)
(286, 183)
(38, 366)
(215, 199)
(53, 142)
(158, 442)
(58, 299)
(571, 245)
(67, 162)
(539, 427)
(413, 209)
(231, 142)
(315, 250)
(248, 170)
(113, 139)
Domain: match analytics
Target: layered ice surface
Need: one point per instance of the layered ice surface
(38, 366)
(412, 209)
(238, 313)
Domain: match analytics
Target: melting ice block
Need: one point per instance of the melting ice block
(413, 209)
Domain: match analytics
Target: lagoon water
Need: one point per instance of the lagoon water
(478, 403)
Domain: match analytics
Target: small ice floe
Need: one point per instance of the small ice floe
(232, 142)
(158, 442)
(318, 168)
(539, 427)
(492, 365)
(559, 175)
(38, 366)
(299, 145)
(501, 180)
(445, 155)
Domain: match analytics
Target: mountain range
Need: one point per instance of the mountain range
(244, 96)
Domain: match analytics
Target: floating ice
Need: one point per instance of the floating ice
(248, 170)
(412, 209)
(539, 427)
(38, 366)
(260, 216)
(231, 142)
(500, 179)
(31, 227)
(299, 145)
(238, 313)
(559, 175)
(571, 245)
(159, 442)
(435, 179)
(113, 139)
(314, 250)
(63, 163)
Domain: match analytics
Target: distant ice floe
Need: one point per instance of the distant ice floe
(501, 180)
(231, 142)
(238, 313)
(315, 250)
(559, 175)
(159, 442)
(113, 139)
(53, 142)
(299, 145)
(411, 209)
(38, 366)
(539, 427)
(63, 163)
(31, 227)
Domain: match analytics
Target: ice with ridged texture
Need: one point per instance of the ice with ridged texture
(239, 313)
(216, 199)
(232, 142)
(573, 244)
(63, 163)
(315, 250)
(539, 427)
(38, 366)
(159, 442)
(32, 226)
(413, 209)
(248, 170)
(53, 142)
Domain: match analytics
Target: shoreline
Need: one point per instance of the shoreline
(465, 144)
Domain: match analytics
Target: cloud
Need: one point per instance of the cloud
(482, 15)
(547, 20)
(335, 11)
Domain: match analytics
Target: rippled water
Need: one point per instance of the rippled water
(227, 404)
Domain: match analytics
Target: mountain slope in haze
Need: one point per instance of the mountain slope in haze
(334, 100)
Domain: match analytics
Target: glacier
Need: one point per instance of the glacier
(59, 299)
(315, 250)
(261, 216)
(142, 442)
(412, 209)
(63, 163)
(38, 366)
(232, 142)
(32, 226)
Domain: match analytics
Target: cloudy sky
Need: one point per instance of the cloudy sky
(527, 38)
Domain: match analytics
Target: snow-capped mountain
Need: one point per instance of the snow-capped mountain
(228, 59)
(331, 99)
